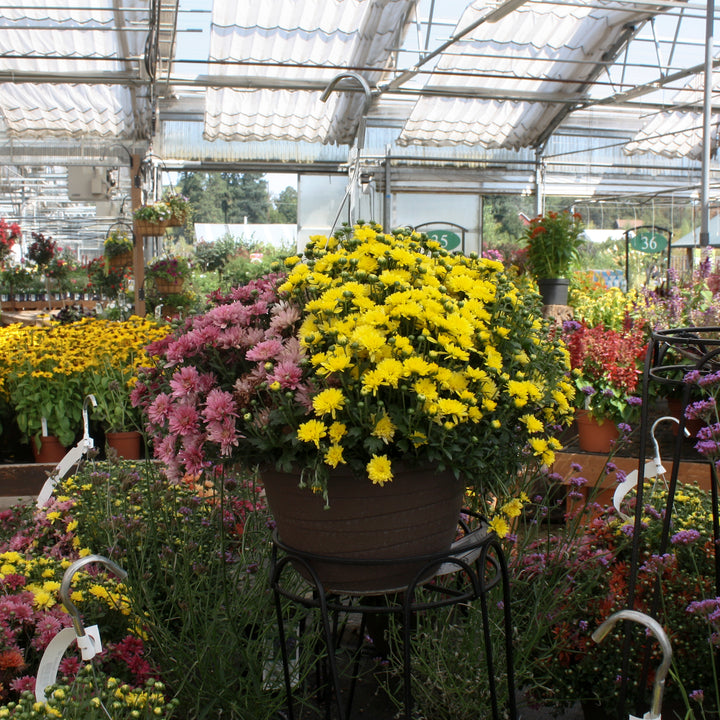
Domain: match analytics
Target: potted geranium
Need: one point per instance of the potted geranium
(606, 369)
(553, 241)
(169, 273)
(381, 362)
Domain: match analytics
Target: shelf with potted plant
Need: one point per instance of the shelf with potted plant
(169, 274)
(153, 219)
(553, 241)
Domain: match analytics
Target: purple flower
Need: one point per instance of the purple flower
(685, 537)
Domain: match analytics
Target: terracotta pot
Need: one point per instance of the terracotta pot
(593, 435)
(168, 287)
(128, 445)
(413, 515)
(51, 451)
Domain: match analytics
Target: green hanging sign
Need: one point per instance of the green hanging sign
(649, 242)
(447, 239)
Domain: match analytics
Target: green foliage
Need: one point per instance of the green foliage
(226, 197)
(553, 241)
(197, 561)
(118, 242)
(284, 208)
(93, 695)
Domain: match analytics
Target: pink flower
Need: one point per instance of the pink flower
(21, 684)
(165, 450)
(159, 410)
(224, 434)
(218, 406)
(266, 350)
(184, 382)
(284, 316)
(184, 420)
(287, 373)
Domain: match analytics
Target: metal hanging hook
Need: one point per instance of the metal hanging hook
(662, 638)
(65, 588)
(86, 422)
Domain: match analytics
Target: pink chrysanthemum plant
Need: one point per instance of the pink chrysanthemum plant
(375, 348)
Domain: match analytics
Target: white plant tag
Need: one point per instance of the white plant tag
(651, 470)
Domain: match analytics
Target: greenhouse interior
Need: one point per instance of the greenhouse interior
(359, 358)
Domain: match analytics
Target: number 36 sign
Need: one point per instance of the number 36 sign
(648, 241)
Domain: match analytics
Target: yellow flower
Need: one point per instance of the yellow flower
(43, 599)
(379, 470)
(532, 423)
(334, 456)
(337, 431)
(499, 526)
(513, 508)
(312, 431)
(328, 402)
(384, 429)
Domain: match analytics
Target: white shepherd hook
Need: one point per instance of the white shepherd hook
(662, 671)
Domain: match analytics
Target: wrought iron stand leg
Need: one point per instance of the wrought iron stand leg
(281, 634)
(330, 649)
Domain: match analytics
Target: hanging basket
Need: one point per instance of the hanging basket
(416, 514)
(145, 228)
(169, 287)
(120, 261)
(176, 220)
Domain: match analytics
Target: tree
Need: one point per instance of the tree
(285, 206)
(226, 197)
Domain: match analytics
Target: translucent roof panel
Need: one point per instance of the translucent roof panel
(71, 69)
(286, 53)
(679, 132)
(507, 82)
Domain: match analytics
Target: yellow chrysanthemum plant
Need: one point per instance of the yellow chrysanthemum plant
(47, 371)
(422, 356)
(372, 350)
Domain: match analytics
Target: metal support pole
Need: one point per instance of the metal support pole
(706, 140)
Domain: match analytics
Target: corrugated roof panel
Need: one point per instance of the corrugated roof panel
(306, 42)
(59, 38)
(540, 49)
(678, 133)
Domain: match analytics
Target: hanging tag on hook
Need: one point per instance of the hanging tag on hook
(630, 481)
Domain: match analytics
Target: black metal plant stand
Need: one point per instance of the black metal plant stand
(671, 355)
(473, 566)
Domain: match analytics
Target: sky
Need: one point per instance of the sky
(277, 182)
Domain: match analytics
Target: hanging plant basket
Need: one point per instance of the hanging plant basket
(145, 228)
(177, 220)
(121, 261)
(168, 287)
